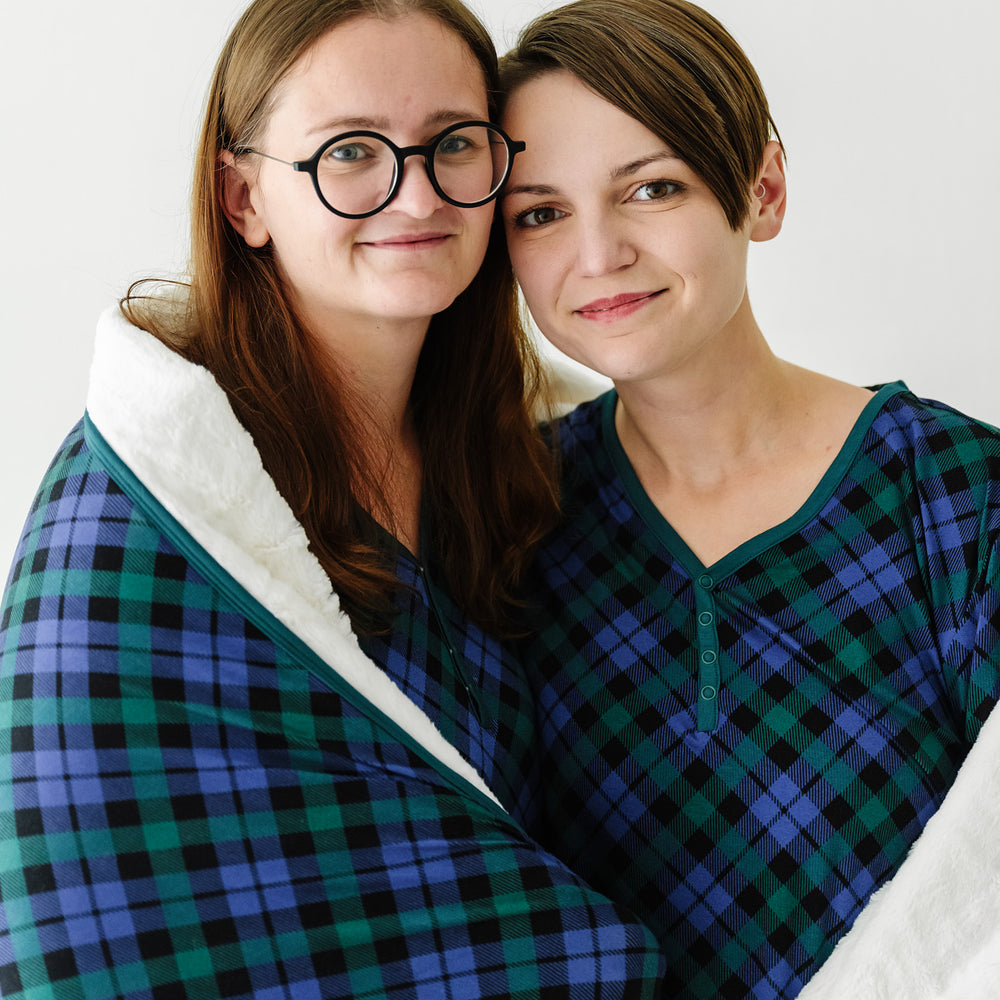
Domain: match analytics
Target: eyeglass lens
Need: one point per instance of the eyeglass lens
(356, 174)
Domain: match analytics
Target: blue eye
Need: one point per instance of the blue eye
(452, 144)
(536, 217)
(349, 152)
(655, 190)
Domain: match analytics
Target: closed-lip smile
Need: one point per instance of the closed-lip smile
(617, 306)
(409, 241)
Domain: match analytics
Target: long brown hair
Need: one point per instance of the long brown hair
(487, 481)
(672, 67)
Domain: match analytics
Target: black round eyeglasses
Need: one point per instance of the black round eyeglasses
(357, 174)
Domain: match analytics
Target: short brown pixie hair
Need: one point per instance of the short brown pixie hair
(672, 67)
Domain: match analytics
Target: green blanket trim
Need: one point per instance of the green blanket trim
(257, 613)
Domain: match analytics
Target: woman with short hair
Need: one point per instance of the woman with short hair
(769, 625)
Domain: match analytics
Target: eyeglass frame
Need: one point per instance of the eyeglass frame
(427, 150)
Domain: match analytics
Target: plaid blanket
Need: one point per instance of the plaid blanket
(206, 789)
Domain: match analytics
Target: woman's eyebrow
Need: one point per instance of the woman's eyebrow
(627, 169)
(442, 118)
(537, 189)
(617, 174)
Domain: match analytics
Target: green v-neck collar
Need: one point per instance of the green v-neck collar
(753, 547)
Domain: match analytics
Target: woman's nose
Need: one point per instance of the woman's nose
(415, 195)
(603, 247)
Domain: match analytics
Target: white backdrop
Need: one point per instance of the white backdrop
(887, 266)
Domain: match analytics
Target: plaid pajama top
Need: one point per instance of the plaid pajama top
(742, 753)
(469, 682)
(195, 804)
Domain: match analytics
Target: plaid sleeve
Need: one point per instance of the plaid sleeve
(956, 507)
(970, 637)
(186, 812)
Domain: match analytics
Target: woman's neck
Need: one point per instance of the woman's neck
(700, 421)
(378, 363)
(730, 451)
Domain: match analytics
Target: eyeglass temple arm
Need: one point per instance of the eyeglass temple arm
(296, 165)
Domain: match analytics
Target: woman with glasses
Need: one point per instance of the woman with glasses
(264, 733)
(769, 626)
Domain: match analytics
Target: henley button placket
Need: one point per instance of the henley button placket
(708, 654)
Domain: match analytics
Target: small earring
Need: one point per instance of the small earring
(761, 192)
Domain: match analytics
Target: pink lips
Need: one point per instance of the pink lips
(617, 307)
(409, 241)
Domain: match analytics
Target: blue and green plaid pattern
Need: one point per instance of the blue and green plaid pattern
(191, 810)
(742, 753)
(469, 682)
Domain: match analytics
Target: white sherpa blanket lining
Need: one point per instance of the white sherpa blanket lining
(172, 425)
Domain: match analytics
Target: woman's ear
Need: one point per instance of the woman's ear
(767, 209)
(239, 197)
